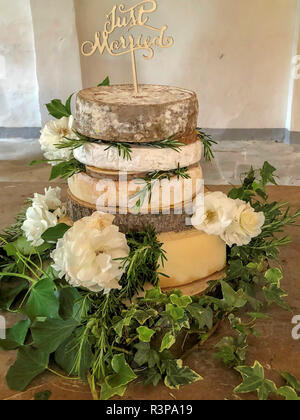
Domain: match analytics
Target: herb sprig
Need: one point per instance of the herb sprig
(208, 143)
(152, 179)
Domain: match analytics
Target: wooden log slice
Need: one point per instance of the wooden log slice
(172, 222)
(113, 113)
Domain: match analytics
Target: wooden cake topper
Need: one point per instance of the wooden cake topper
(128, 18)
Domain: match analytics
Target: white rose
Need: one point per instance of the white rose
(87, 254)
(38, 220)
(51, 198)
(247, 224)
(52, 134)
(216, 215)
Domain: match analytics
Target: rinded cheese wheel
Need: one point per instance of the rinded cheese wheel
(158, 112)
(191, 256)
(143, 159)
(120, 193)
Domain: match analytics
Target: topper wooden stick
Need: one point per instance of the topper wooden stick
(121, 18)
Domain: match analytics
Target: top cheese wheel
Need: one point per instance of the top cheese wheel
(113, 113)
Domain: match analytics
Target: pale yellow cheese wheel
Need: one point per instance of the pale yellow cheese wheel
(192, 255)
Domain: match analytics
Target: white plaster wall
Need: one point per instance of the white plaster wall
(236, 54)
(19, 104)
(57, 50)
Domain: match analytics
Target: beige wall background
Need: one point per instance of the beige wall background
(19, 92)
(236, 54)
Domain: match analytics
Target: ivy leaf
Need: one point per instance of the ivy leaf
(267, 174)
(254, 380)
(168, 341)
(178, 376)
(145, 355)
(42, 301)
(231, 298)
(50, 334)
(153, 377)
(175, 313)
(155, 295)
(291, 380)
(106, 82)
(15, 336)
(30, 363)
(145, 334)
(274, 294)
(181, 301)
(75, 359)
(9, 294)
(24, 247)
(204, 317)
(143, 316)
(125, 322)
(55, 233)
(70, 304)
(288, 393)
(116, 384)
(274, 276)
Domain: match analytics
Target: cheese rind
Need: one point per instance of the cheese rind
(143, 159)
(114, 113)
(192, 255)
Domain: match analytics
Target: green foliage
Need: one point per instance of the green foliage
(13, 232)
(43, 396)
(30, 363)
(65, 170)
(254, 380)
(151, 180)
(55, 233)
(208, 143)
(106, 82)
(15, 337)
(58, 110)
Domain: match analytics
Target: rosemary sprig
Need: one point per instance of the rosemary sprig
(151, 179)
(207, 143)
(124, 148)
(14, 231)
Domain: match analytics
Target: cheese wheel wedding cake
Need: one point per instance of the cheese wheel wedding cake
(143, 165)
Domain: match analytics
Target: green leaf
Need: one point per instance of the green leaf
(55, 233)
(168, 341)
(274, 276)
(24, 247)
(181, 301)
(75, 355)
(254, 380)
(116, 384)
(153, 377)
(15, 337)
(30, 363)
(155, 295)
(43, 396)
(178, 376)
(258, 315)
(125, 322)
(145, 355)
(288, 393)
(42, 301)
(291, 380)
(267, 174)
(143, 316)
(175, 313)
(274, 294)
(68, 104)
(50, 334)
(231, 298)
(9, 294)
(204, 317)
(106, 82)
(57, 109)
(145, 334)
(70, 304)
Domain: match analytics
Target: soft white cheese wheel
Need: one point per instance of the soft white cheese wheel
(191, 255)
(111, 193)
(143, 158)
